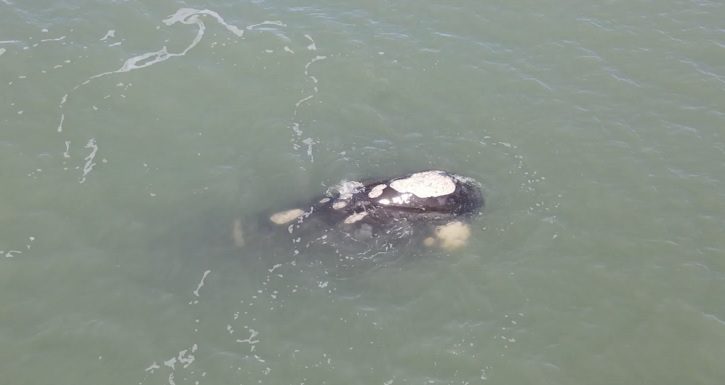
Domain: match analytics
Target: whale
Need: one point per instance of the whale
(428, 208)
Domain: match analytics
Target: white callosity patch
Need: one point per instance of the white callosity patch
(402, 199)
(287, 216)
(356, 217)
(452, 236)
(377, 190)
(426, 184)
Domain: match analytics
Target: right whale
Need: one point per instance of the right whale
(431, 208)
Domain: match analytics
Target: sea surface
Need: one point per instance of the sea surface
(133, 133)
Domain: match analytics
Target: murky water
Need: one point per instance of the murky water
(132, 134)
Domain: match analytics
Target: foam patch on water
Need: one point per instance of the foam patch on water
(185, 357)
(252, 340)
(14, 253)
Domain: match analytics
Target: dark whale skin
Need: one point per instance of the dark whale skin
(372, 223)
(465, 200)
(374, 212)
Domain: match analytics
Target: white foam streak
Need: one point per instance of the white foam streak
(309, 142)
(312, 46)
(53, 39)
(299, 102)
(109, 34)
(152, 367)
(88, 167)
(139, 61)
(60, 124)
(311, 62)
(10, 253)
(266, 22)
(312, 78)
(251, 340)
(296, 125)
(189, 16)
(296, 129)
(201, 283)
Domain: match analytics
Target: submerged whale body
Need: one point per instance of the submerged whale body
(430, 208)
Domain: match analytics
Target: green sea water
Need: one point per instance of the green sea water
(132, 133)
